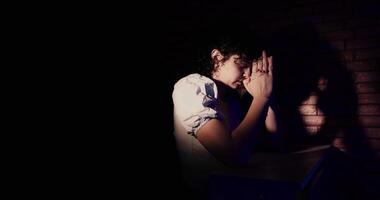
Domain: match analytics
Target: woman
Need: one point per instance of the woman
(212, 129)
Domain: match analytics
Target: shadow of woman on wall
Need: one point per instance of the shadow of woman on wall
(318, 105)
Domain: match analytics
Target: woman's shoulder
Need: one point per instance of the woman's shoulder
(194, 79)
(195, 84)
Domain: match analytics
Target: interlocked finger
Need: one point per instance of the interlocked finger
(265, 62)
(260, 66)
(270, 66)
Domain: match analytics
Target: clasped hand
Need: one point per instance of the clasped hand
(259, 77)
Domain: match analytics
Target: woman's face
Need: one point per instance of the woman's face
(232, 71)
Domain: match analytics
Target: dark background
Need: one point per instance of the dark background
(134, 55)
(311, 40)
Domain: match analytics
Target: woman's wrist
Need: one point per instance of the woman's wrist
(262, 98)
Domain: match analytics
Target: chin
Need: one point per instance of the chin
(234, 86)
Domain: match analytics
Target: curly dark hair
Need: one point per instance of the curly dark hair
(229, 42)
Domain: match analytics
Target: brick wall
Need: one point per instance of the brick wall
(340, 41)
(348, 34)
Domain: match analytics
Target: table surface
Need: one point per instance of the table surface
(299, 167)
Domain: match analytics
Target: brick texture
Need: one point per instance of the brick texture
(348, 49)
(349, 53)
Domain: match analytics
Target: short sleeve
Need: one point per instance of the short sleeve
(195, 102)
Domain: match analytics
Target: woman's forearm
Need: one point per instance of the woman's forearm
(244, 136)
